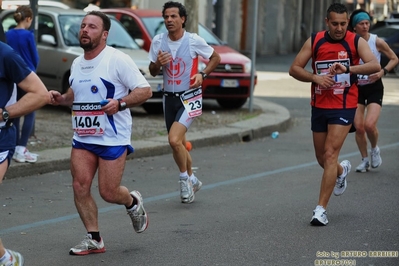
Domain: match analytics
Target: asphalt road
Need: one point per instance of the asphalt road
(254, 208)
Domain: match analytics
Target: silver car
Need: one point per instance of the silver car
(58, 45)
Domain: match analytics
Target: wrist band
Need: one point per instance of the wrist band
(385, 71)
(347, 69)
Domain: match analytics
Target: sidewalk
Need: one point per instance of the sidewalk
(273, 118)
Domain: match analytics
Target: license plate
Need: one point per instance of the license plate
(229, 83)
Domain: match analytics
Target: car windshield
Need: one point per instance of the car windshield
(155, 25)
(117, 36)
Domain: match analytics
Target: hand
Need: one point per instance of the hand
(337, 68)
(325, 81)
(196, 81)
(163, 58)
(376, 76)
(112, 107)
(55, 97)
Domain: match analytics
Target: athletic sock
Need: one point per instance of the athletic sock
(134, 203)
(183, 175)
(193, 179)
(95, 236)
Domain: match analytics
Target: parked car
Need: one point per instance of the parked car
(229, 83)
(58, 45)
(13, 4)
(390, 34)
(385, 22)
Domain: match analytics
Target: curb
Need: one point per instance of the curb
(273, 118)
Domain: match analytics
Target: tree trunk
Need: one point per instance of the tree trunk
(192, 16)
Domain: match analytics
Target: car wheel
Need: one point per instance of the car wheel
(153, 108)
(231, 103)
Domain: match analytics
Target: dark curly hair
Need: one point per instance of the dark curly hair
(182, 10)
(337, 8)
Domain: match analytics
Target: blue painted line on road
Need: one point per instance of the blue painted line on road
(26, 227)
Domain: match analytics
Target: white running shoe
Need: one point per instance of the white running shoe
(138, 214)
(364, 166)
(186, 190)
(340, 184)
(88, 246)
(319, 216)
(197, 186)
(26, 156)
(16, 259)
(375, 157)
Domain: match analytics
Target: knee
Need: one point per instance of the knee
(175, 142)
(369, 127)
(80, 188)
(359, 129)
(320, 160)
(108, 195)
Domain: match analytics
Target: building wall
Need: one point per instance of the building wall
(282, 26)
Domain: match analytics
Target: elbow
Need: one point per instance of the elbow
(291, 72)
(149, 93)
(219, 59)
(395, 60)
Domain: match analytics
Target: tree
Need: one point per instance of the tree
(192, 16)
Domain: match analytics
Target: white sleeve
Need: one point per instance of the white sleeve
(127, 72)
(200, 46)
(155, 47)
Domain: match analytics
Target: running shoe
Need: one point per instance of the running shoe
(375, 157)
(138, 214)
(16, 259)
(186, 190)
(364, 166)
(197, 186)
(26, 156)
(340, 184)
(319, 216)
(88, 246)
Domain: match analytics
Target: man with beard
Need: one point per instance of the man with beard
(104, 83)
(335, 55)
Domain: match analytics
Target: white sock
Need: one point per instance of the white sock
(365, 159)
(20, 149)
(5, 258)
(193, 179)
(319, 207)
(374, 149)
(183, 175)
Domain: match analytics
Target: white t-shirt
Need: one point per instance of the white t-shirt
(112, 74)
(184, 63)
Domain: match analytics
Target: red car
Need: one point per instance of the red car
(229, 83)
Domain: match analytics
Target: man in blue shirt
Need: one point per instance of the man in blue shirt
(14, 71)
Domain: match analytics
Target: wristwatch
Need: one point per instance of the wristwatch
(122, 105)
(385, 71)
(204, 75)
(5, 115)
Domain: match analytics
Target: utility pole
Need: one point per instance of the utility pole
(192, 16)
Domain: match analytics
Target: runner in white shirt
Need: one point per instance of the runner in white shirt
(177, 53)
(104, 83)
(371, 93)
